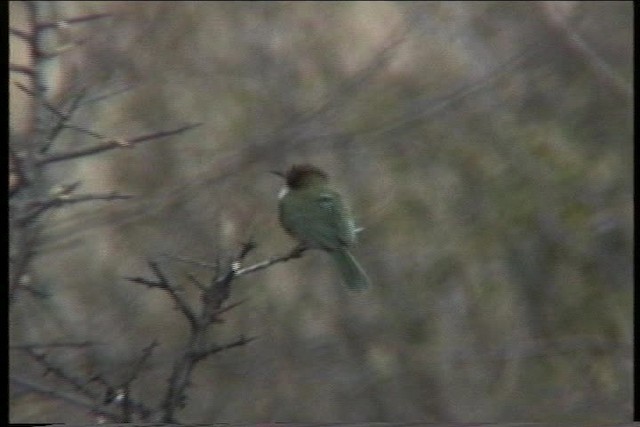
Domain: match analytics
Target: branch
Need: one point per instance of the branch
(161, 282)
(294, 253)
(110, 94)
(82, 344)
(61, 395)
(121, 397)
(76, 20)
(220, 289)
(17, 179)
(217, 349)
(581, 48)
(146, 354)
(59, 50)
(191, 261)
(213, 298)
(229, 307)
(63, 118)
(110, 144)
(60, 373)
(40, 207)
(125, 389)
(196, 282)
(22, 69)
(21, 34)
(40, 97)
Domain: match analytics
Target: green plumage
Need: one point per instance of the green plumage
(353, 275)
(315, 215)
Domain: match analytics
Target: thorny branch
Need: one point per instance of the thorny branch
(161, 282)
(212, 297)
(32, 195)
(28, 157)
(57, 394)
(110, 143)
(82, 344)
(59, 372)
(76, 20)
(37, 208)
(112, 394)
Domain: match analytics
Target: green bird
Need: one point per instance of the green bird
(314, 214)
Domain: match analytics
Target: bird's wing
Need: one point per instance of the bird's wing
(319, 220)
(333, 215)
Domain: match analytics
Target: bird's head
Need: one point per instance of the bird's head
(302, 176)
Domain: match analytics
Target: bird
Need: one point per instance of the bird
(314, 214)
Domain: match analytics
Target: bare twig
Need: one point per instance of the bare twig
(63, 396)
(82, 344)
(39, 207)
(41, 98)
(191, 261)
(229, 307)
(108, 95)
(196, 282)
(213, 297)
(22, 69)
(581, 49)
(220, 289)
(121, 394)
(59, 50)
(69, 21)
(61, 373)
(21, 34)
(17, 179)
(218, 348)
(62, 121)
(161, 282)
(111, 144)
(129, 405)
(294, 253)
(146, 354)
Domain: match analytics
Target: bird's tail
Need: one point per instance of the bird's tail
(353, 275)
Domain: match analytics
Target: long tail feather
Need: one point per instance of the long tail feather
(353, 275)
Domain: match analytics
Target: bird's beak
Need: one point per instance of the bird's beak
(280, 174)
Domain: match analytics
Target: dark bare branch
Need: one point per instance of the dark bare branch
(196, 282)
(21, 34)
(191, 261)
(40, 207)
(63, 119)
(123, 392)
(111, 144)
(222, 310)
(59, 50)
(63, 396)
(82, 344)
(294, 253)
(70, 21)
(59, 372)
(217, 349)
(146, 354)
(39, 95)
(161, 282)
(108, 95)
(22, 69)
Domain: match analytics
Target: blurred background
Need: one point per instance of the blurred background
(486, 147)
